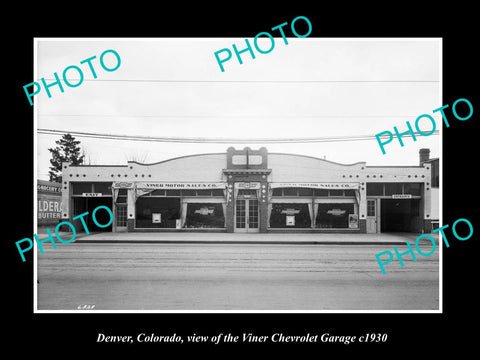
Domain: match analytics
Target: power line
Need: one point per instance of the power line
(228, 116)
(216, 140)
(250, 81)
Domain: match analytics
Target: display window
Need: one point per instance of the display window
(204, 215)
(334, 215)
(157, 212)
(288, 215)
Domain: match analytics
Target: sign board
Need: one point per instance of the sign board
(247, 185)
(205, 211)
(352, 221)
(178, 224)
(336, 212)
(401, 196)
(49, 209)
(320, 185)
(290, 220)
(180, 185)
(122, 185)
(48, 187)
(290, 211)
(91, 194)
(49, 197)
(156, 218)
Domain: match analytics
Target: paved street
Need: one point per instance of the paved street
(154, 276)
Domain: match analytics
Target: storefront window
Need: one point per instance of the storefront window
(393, 188)
(217, 192)
(103, 188)
(321, 192)
(412, 188)
(375, 189)
(157, 212)
(349, 192)
(305, 192)
(290, 192)
(334, 216)
(290, 216)
(204, 215)
(277, 192)
(122, 196)
(78, 188)
(187, 193)
(247, 192)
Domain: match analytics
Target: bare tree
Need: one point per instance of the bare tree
(87, 158)
(137, 157)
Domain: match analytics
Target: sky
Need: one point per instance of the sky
(173, 87)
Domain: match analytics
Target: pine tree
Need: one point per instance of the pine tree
(66, 151)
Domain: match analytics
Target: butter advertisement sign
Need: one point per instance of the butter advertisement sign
(49, 202)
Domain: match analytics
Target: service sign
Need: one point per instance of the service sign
(401, 196)
(91, 194)
(290, 220)
(352, 221)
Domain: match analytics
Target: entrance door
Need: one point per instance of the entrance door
(121, 218)
(89, 204)
(401, 215)
(246, 215)
(371, 216)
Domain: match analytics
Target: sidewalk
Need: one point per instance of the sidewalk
(255, 238)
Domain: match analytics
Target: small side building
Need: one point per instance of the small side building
(49, 203)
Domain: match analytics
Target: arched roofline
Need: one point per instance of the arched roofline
(316, 158)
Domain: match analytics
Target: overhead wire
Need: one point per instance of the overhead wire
(211, 140)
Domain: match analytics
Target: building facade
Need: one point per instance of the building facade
(251, 191)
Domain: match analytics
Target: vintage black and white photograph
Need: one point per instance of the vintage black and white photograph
(268, 174)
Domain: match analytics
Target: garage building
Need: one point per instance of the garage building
(245, 190)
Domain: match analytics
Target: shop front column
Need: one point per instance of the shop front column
(131, 210)
(362, 209)
(230, 215)
(263, 206)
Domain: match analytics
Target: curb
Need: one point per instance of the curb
(277, 242)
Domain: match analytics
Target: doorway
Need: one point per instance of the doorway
(89, 204)
(372, 227)
(121, 217)
(401, 215)
(246, 215)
